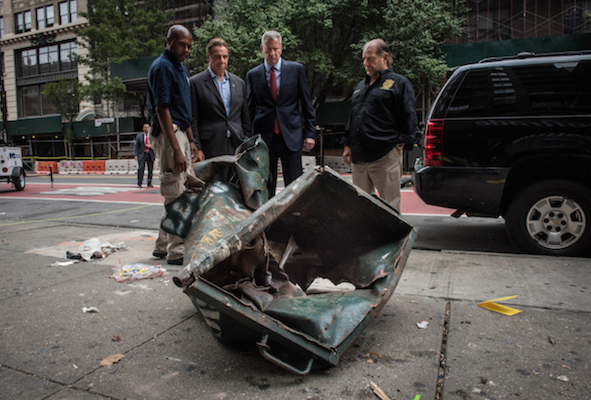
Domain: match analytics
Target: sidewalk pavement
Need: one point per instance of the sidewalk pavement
(51, 349)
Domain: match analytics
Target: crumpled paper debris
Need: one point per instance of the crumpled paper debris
(112, 359)
(95, 248)
(63, 263)
(423, 324)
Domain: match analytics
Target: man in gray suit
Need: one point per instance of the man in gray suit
(221, 119)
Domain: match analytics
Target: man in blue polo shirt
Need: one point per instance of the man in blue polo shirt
(169, 102)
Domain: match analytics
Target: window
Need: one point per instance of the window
(67, 12)
(48, 59)
(42, 64)
(1, 27)
(28, 63)
(68, 56)
(32, 102)
(557, 89)
(536, 89)
(22, 22)
(45, 17)
(41, 60)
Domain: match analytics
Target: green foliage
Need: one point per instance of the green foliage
(66, 95)
(327, 36)
(120, 30)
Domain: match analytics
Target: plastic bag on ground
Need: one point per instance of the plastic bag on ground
(95, 248)
(130, 272)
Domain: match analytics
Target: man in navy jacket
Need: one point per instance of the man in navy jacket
(281, 109)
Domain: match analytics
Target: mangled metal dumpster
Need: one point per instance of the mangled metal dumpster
(273, 272)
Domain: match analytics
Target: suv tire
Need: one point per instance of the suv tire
(551, 217)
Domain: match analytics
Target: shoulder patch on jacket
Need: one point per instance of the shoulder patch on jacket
(388, 83)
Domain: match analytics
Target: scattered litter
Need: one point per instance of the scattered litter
(563, 378)
(94, 248)
(116, 337)
(417, 397)
(112, 359)
(499, 308)
(476, 390)
(63, 263)
(373, 353)
(136, 271)
(423, 324)
(75, 366)
(551, 340)
(179, 360)
(378, 392)
(566, 366)
(90, 310)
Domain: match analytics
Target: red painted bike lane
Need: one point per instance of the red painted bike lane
(410, 203)
(78, 192)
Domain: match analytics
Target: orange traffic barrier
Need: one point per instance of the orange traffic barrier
(93, 167)
(43, 167)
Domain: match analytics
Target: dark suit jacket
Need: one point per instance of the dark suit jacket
(210, 123)
(139, 149)
(294, 95)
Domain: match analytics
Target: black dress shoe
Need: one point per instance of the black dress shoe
(178, 261)
(150, 185)
(140, 186)
(159, 255)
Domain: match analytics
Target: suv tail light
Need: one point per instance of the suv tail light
(433, 143)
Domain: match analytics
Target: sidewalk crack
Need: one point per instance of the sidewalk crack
(442, 353)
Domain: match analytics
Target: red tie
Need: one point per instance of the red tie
(146, 146)
(273, 85)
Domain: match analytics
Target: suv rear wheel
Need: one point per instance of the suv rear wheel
(551, 217)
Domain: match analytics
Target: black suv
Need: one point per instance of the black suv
(512, 137)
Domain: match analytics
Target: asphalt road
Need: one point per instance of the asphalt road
(115, 200)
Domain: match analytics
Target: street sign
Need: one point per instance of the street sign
(99, 121)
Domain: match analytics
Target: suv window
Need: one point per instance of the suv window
(559, 88)
(538, 89)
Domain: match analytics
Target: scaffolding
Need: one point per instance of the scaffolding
(492, 20)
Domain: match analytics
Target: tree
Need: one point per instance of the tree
(327, 36)
(120, 30)
(66, 96)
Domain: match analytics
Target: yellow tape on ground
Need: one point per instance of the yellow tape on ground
(499, 308)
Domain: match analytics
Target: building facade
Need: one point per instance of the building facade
(38, 45)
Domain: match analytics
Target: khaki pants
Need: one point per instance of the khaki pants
(382, 175)
(172, 185)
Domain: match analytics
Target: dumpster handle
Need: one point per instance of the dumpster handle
(264, 349)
